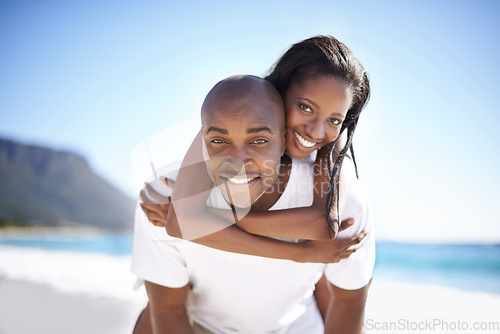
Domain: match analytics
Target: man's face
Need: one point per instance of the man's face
(244, 141)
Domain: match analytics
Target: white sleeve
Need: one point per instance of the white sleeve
(355, 271)
(156, 257)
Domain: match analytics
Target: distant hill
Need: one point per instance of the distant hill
(41, 186)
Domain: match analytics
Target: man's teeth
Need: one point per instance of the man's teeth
(241, 181)
(303, 141)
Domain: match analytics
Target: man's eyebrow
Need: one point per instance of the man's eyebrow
(263, 128)
(219, 130)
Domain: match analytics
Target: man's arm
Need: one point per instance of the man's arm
(168, 312)
(346, 310)
(323, 295)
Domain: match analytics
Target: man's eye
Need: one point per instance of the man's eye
(305, 108)
(217, 141)
(260, 141)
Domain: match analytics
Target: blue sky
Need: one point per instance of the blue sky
(100, 77)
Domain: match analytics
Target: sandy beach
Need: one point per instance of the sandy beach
(66, 292)
(395, 307)
(62, 292)
(27, 307)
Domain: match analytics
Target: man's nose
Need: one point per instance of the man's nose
(238, 159)
(316, 129)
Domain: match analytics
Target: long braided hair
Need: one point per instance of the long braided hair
(325, 56)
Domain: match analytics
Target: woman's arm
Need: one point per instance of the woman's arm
(202, 226)
(309, 251)
(189, 219)
(305, 222)
(289, 223)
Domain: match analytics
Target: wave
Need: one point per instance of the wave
(96, 275)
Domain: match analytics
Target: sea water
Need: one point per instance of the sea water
(100, 243)
(94, 265)
(473, 267)
(99, 264)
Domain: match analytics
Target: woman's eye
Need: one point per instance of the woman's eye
(335, 121)
(305, 108)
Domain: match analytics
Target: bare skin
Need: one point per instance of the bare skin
(346, 310)
(167, 309)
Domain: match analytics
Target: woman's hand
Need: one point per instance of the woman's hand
(155, 205)
(335, 250)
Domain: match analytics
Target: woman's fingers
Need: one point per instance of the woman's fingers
(145, 198)
(357, 239)
(346, 224)
(154, 205)
(349, 246)
(159, 223)
(158, 208)
(356, 242)
(169, 182)
(147, 208)
(159, 198)
(154, 217)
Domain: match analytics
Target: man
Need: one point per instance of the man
(243, 129)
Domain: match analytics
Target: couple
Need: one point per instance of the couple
(243, 128)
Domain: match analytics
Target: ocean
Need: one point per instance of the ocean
(467, 267)
(63, 258)
(105, 243)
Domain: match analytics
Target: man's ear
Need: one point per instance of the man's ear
(283, 142)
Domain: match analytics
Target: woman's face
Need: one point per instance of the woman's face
(315, 111)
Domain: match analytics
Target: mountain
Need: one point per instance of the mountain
(41, 186)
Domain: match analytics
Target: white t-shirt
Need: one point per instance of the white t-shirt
(237, 293)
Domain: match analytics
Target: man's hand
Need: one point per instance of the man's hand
(335, 250)
(154, 204)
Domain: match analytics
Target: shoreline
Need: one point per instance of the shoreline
(62, 231)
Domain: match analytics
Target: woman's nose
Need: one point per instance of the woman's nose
(316, 129)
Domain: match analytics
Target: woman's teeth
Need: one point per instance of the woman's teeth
(241, 181)
(303, 141)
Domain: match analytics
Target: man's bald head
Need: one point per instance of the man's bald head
(243, 125)
(242, 94)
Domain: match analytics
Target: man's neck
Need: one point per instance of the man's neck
(270, 197)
